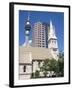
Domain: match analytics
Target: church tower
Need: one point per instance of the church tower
(52, 41)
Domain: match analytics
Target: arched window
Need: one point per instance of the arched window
(54, 49)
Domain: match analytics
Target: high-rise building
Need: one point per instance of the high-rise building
(40, 35)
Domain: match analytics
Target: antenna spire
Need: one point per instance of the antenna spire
(51, 25)
(28, 15)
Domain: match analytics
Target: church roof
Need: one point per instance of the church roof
(28, 53)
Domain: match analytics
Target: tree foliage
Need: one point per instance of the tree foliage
(37, 74)
(45, 67)
(61, 64)
(57, 66)
(51, 65)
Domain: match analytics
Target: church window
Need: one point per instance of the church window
(52, 41)
(24, 68)
(54, 49)
(38, 63)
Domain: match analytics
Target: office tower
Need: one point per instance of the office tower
(40, 35)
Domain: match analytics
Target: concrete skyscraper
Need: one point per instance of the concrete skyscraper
(40, 35)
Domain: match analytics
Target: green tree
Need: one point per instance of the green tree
(49, 65)
(52, 66)
(61, 64)
(37, 74)
(32, 75)
(44, 68)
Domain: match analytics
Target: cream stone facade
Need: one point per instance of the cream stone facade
(30, 57)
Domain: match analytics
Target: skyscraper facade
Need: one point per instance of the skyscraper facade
(40, 35)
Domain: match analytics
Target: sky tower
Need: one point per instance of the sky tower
(27, 30)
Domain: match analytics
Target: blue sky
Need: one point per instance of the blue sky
(35, 16)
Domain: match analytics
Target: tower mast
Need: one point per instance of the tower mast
(28, 16)
(27, 29)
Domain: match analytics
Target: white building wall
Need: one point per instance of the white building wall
(28, 69)
(23, 77)
(35, 66)
(26, 74)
